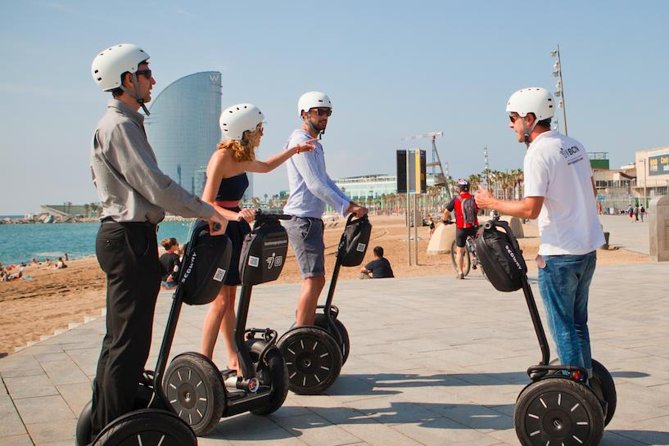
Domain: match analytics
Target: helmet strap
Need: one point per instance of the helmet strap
(527, 132)
(135, 93)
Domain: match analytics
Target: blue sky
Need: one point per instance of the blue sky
(392, 69)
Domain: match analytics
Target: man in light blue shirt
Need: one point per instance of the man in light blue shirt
(310, 190)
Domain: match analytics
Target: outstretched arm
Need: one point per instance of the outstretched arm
(278, 159)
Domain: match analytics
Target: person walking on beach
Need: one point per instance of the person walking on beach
(560, 192)
(242, 130)
(466, 222)
(135, 194)
(310, 190)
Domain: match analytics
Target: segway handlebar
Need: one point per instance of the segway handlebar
(351, 216)
(265, 217)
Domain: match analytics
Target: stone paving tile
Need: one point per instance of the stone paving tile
(30, 386)
(11, 425)
(75, 395)
(43, 410)
(18, 365)
(444, 431)
(53, 431)
(18, 440)
(315, 430)
(246, 428)
(378, 434)
(64, 371)
(430, 364)
(612, 438)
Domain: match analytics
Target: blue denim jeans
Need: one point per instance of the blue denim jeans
(564, 284)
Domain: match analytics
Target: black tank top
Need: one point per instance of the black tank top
(233, 188)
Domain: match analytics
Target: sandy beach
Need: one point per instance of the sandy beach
(55, 298)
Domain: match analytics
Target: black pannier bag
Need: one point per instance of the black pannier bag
(204, 266)
(263, 253)
(500, 255)
(354, 241)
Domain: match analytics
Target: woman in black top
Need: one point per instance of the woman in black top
(242, 130)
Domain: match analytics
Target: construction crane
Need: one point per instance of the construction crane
(440, 177)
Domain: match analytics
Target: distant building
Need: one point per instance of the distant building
(372, 186)
(638, 182)
(183, 127)
(68, 211)
(652, 173)
(599, 160)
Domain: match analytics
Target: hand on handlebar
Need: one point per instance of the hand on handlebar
(358, 211)
(246, 214)
(217, 224)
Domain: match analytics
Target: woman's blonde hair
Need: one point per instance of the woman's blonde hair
(241, 150)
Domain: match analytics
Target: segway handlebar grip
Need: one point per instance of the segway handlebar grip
(262, 217)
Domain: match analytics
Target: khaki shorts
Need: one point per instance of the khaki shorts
(306, 238)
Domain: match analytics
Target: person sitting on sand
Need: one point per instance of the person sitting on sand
(379, 268)
(60, 264)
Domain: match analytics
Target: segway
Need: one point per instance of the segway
(560, 405)
(197, 391)
(315, 354)
(153, 422)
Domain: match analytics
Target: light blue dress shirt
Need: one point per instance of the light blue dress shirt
(310, 186)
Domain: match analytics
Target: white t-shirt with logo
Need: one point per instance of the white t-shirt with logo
(557, 168)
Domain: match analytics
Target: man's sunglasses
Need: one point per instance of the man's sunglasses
(145, 73)
(322, 111)
(513, 118)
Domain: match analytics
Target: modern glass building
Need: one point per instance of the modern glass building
(183, 127)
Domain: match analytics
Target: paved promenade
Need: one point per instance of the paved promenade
(434, 361)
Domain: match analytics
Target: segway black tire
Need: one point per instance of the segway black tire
(602, 384)
(313, 359)
(345, 344)
(84, 426)
(194, 388)
(558, 411)
(148, 427)
(272, 372)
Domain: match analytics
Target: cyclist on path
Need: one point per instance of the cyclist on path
(466, 222)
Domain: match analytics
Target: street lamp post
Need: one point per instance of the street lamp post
(643, 200)
(559, 87)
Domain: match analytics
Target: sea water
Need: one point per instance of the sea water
(23, 242)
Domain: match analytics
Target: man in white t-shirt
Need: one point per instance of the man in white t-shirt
(560, 192)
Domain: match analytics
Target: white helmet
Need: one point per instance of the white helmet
(239, 118)
(535, 100)
(313, 99)
(111, 63)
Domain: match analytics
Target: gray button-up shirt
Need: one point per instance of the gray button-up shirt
(125, 172)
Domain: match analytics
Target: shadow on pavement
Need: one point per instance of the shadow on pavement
(392, 383)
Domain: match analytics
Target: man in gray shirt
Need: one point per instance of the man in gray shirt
(134, 194)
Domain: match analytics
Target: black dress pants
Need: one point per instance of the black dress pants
(128, 254)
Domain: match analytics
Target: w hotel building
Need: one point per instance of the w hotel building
(183, 127)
